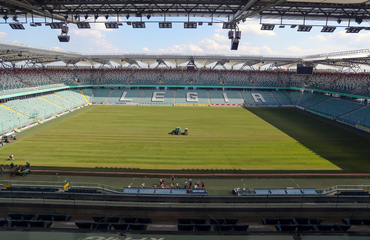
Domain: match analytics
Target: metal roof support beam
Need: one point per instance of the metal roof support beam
(241, 17)
(241, 11)
(36, 10)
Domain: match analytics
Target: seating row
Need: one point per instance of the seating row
(310, 227)
(25, 223)
(207, 227)
(283, 221)
(219, 221)
(44, 217)
(108, 226)
(100, 219)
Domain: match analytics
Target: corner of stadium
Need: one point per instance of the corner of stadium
(179, 146)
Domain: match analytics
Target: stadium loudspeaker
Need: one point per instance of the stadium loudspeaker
(63, 38)
(234, 44)
(231, 34)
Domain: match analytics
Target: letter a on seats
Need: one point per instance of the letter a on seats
(158, 97)
(257, 96)
(192, 97)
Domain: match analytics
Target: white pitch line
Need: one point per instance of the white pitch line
(295, 182)
(243, 183)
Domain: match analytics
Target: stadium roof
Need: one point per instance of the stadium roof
(12, 53)
(232, 11)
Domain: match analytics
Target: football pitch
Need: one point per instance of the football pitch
(220, 138)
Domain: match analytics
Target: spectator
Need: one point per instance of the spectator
(186, 184)
(177, 184)
(173, 178)
(11, 166)
(143, 185)
(2, 170)
(190, 182)
(198, 183)
(160, 181)
(155, 185)
(203, 185)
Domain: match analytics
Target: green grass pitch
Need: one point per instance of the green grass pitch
(220, 138)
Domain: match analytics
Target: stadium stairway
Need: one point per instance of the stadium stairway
(298, 99)
(275, 98)
(83, 94)
(24, 115)
(53, 103)
(355, 110)
(108, 96)
(65, 99)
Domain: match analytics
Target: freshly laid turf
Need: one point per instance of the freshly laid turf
(220, 138)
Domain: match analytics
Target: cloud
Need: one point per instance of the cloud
(210, 44)
(146, 49)
(294, 50)
(264, 50)
(3, 34)
(182, 48)
(88, 33)
(220, 38)
(103, 46)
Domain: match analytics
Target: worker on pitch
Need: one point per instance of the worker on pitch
(11, 158)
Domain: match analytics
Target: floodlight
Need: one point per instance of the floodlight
(16, 26)
(281, 26)
(304, 28)
(106, 17)
(83, 25)
(127, 16)
(268, 27)
(238, 35)
(148, 16)
(354, 29)
(33, 24)
(129, 23)
(293, 26)
(96, 16)
(15, 18)
(138, 24)
(66, 17)
(190, 25)
(200, 23)
(76, 17)
(227, 25)
(339, 21)
(111, 25)
(328, 29)
(165, 24)
(209, 24)
(55, 25)
(86, 16)
(5, 18)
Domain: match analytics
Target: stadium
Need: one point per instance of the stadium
(178, 146)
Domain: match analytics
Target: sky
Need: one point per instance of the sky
(203, 40)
